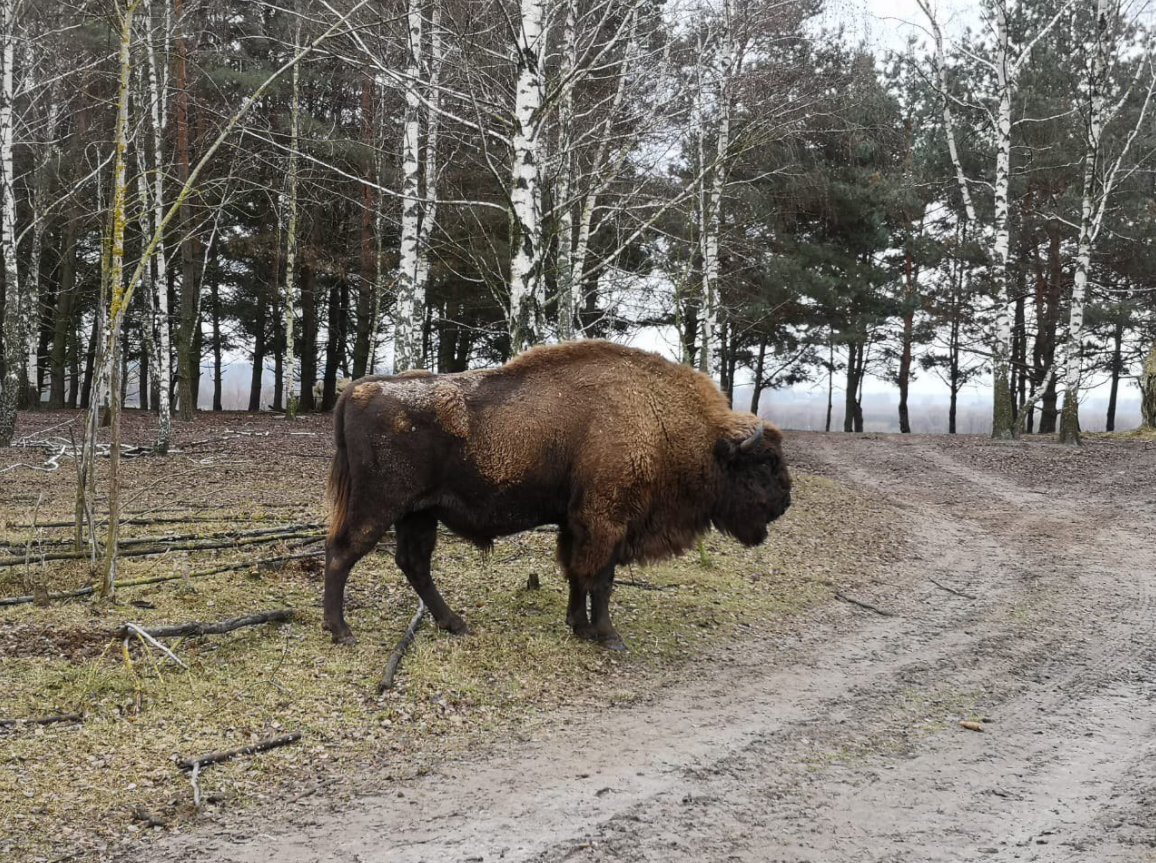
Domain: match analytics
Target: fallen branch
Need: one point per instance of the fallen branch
(150, 549)
(952, 589)
(261, 562)
(144, 636)
(197, 627)
(866, 605)
(179, 519)
(42, 720)
(198, 537)
(251, 749)
(400, 649)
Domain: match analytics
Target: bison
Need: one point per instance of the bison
(632, 456)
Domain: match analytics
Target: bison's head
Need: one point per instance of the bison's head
(755, 487)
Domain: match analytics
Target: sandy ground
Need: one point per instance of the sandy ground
(1028, 605)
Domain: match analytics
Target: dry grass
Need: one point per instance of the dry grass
(65, 788)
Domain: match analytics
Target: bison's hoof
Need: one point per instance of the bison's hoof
(345, 636)
(610, 640)
(455, 625)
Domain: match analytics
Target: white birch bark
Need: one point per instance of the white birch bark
(13, 344)
(408, 311)
(525, 186)
(158, 115)
(565, 168)
(1148, 390)
(948, 114)
(1006, 69)
(431, 167)
(713, 198)
(1002, 415)
(1096, 194)
(289, 363)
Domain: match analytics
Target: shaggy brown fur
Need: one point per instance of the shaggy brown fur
(631, 455)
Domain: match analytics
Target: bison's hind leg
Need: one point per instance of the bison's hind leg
(417, 535)
(342, 552)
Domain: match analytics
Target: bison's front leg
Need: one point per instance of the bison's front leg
(417, 535)
(601, 629)
(576, 609)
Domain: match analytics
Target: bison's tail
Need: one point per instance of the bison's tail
(337, 489)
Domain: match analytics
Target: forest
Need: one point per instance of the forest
(326, 189)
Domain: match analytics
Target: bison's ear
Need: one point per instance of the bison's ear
(727, 451)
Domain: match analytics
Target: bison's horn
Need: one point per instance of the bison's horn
(751, 442)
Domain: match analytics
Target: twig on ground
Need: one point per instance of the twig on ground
(144, 635)
(42, 720)
(643, 585)
(196, 627)
(195, 764)
(400, 649)
(150, 820)
(952, 589)
(866, 605)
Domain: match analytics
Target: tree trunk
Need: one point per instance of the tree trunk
(757, 386)
(257, 378)
(305, 399)
(1148, 390)
(63, 324)
(90, 362)
(853, 413)
(334, 339)
(409, 309)
(1003, 409)
(158, 115)
(366, 275)
(905, 372)
(13, 355)
(289, 364)
(526, 246)
(218, 369)
(188, 356)
(830, 381)
(1117, 370)
(118, 301)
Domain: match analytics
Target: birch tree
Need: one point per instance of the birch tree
(526, 245)
(432, 165)
(713, 183)
(290, 362)
(409, 308)
(12, 329)
(158, 114)
(1005, 65)
(1100, 178)
(1148, 390)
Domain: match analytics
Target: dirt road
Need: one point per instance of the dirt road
(1028, 606)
